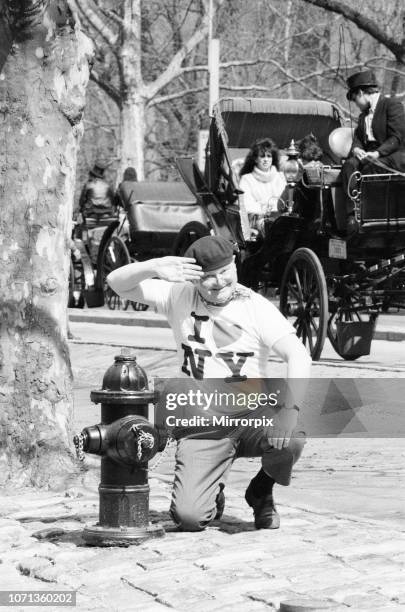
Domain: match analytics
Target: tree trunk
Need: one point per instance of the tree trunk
(132, 124)
(132, 118)
(41, 104)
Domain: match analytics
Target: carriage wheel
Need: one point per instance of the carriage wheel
(304, 299)
(188, 234)
(348, 311)
(138, 306)
(115, 255)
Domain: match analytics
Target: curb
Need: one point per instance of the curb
(143, 319)
(131, 319)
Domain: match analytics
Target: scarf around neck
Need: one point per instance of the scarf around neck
(264, 177)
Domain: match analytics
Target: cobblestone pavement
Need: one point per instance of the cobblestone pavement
(341, 538)
(355, 562)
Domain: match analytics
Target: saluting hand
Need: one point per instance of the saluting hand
(178, 269)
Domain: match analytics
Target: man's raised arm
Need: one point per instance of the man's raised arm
(126, 281)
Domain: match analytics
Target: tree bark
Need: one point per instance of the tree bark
(41, 104)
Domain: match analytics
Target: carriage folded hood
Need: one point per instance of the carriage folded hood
(156, 192)
(241, 121)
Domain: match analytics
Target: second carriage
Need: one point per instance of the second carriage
(148, 225)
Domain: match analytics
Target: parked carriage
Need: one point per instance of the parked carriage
(328, 286)
(152, 215)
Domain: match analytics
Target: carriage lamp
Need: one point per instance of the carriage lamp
(291, 172)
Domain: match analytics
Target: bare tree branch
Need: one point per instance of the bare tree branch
(96, 23)
(109, 14)
(106, 86)
(175, 96)
(174, 68)
(363, 23)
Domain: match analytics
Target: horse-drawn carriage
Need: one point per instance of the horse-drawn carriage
(146, 225)
(328, 286)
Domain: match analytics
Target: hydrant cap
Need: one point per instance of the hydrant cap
(125, 375)
(124, 381)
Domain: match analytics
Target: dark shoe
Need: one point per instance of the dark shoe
(220, 502)
(264, 510)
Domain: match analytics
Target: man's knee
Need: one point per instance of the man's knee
(189, 519)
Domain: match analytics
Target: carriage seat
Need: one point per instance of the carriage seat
(382, 203)
(103, 220)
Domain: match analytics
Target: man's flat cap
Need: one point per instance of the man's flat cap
(211, 252)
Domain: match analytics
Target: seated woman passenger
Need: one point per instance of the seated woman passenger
(261, 181)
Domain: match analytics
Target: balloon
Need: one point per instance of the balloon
(340, 141)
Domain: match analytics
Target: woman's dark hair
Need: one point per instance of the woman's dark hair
(258, 148)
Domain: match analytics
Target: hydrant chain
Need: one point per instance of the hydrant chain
(169, 443)
(78, 441)
(143, 438)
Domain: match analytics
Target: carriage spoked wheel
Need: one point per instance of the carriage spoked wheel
(188, 234)
(115, 255)
(138, 306)
(304, 299)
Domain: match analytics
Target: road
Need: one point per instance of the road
(387, 358)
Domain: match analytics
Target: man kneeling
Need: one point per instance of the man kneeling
(223, 331)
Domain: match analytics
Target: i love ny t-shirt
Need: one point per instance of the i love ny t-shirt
(233, 341)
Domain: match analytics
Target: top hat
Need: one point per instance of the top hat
(365, 78)
(98, 170)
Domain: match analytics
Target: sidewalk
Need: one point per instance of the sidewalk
(389, 327)
(334, 556)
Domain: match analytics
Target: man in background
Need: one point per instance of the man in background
(97, 198)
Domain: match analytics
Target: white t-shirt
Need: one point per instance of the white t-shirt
(229, 342)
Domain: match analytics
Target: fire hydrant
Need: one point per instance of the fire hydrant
(126, 441)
